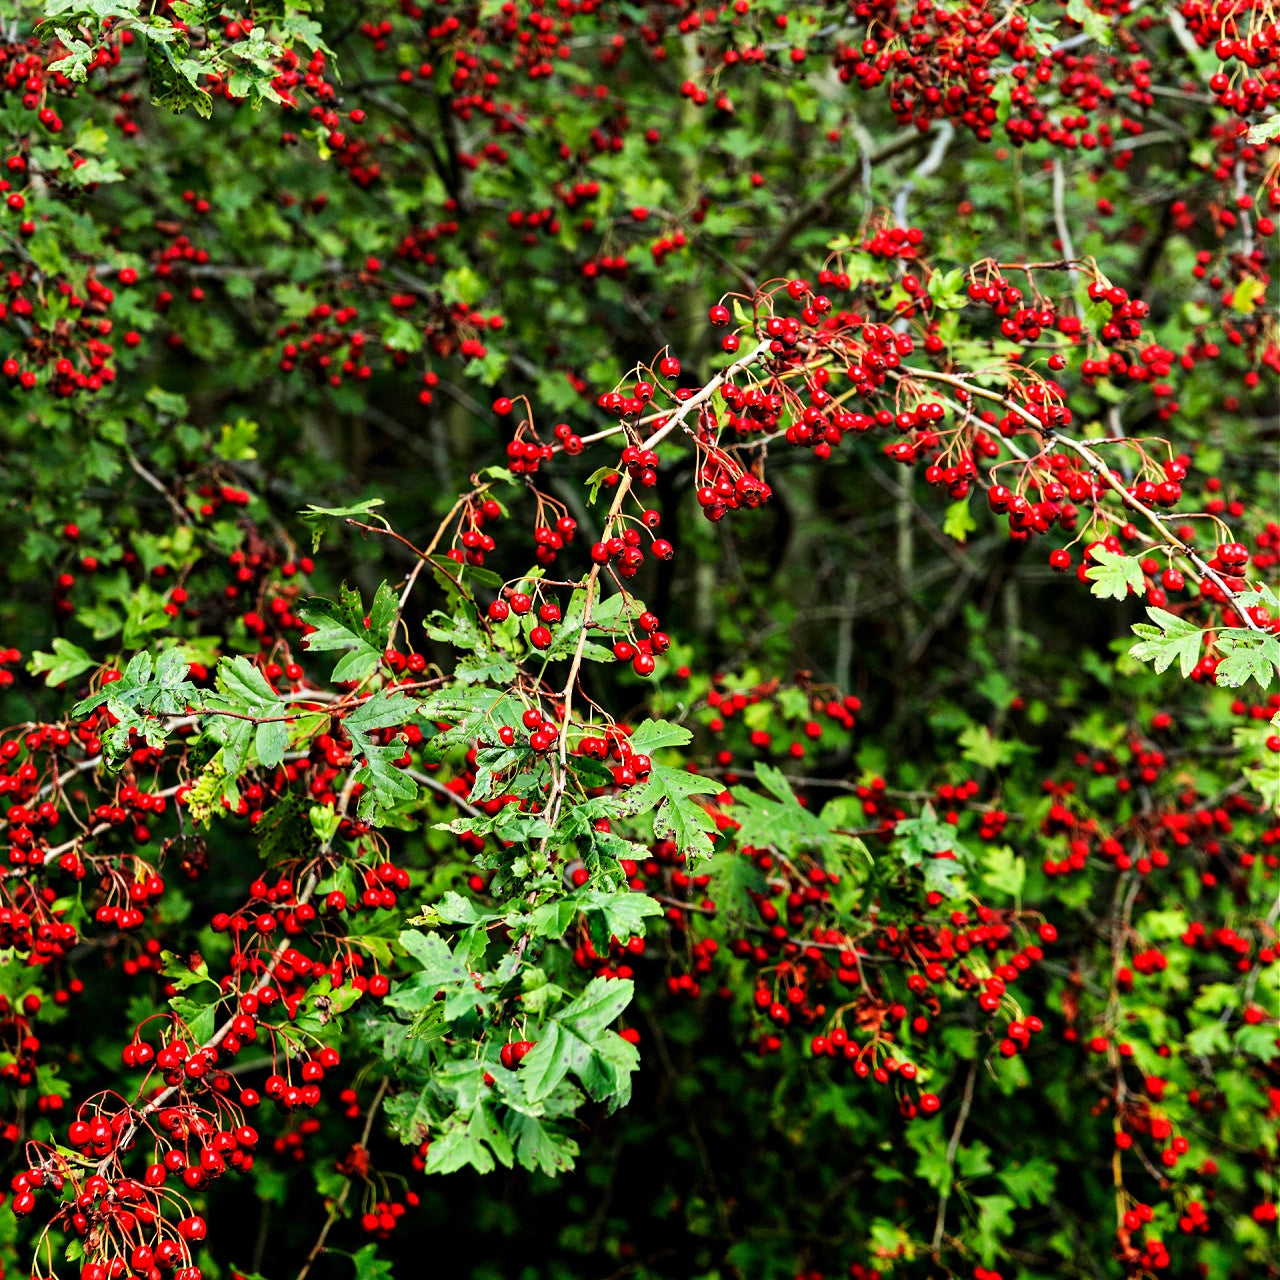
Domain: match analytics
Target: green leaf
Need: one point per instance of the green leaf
(66, 661)
(145, 693)
(383, 710)
(946, 289)
(340, 626)
(734, 878)
(917, 838)
(1170, 637)
(1257, 1041)
(1114, 575)
(144, 615)
(1209, 1038)
(46, 252)
(485, 667)
(973, 1160)
(959, 522)
(978, 744)
(933, 1165)
(931, 845)
(576, 1041)
(235, 443)
(781, 822)
(200, 1016)
(456, 1149)
(401, 334)
(539, 1147)
(552, 919)
(319, 517)
(441, 970)
(243, 686)
(547, 1063)
(1095, 25)
(1247, 294)
(1030, 1182)
(652, 735)
(369, 1266)
(462, 284)
(618, 914)
(945, 876)
(1264, 131)
(270, 742)
(385, 785)
(995, 1220)
(1247, 655)
(595, 480)
(1004, 871)
(676, 815)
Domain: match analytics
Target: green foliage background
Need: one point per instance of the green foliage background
(971, 660)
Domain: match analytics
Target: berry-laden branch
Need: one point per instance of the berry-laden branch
(520, 794)
(208, 1048)
(559, 860)
(1095, 464)
(692, 403)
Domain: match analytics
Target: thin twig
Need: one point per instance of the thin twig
(952, 1147)
(339, 1204)
(179, 512)
(929, 165)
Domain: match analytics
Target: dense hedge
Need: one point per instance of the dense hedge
(640, 640)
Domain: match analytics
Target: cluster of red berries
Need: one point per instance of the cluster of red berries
(524, 454)
(628, 767)
(141, 894)
(549, 539)
(513, 1052)
(1250, 90)
(723, 486)
(385, 1216)
(793, 714)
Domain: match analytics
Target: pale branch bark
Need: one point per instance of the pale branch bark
(179, 512)
(952, 1147)
(590, 584)
(926, 168)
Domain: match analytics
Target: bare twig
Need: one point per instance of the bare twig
(340, 1202)
(952, 1147)
(179, 512)
(929, 165)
